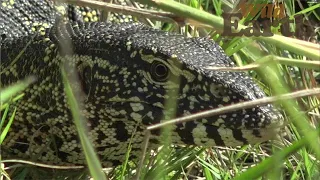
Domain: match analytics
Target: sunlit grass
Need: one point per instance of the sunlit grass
(7, 118)
(294, 156)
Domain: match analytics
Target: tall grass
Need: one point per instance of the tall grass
(292, 66)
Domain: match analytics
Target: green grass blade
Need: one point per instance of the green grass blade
(274, 161)
(6, 129)
(92, 160)
(306, 10)
(8, 92)
(4, 116)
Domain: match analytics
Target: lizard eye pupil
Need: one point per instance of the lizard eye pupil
(159, 71)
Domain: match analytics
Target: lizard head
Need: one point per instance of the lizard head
(151, 76)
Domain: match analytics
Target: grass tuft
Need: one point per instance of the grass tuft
(284, 65)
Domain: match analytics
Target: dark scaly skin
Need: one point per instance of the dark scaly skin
(122, 72)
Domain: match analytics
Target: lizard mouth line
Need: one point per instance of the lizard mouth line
(132, 101)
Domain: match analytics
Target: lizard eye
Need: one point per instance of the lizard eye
(159, 71)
